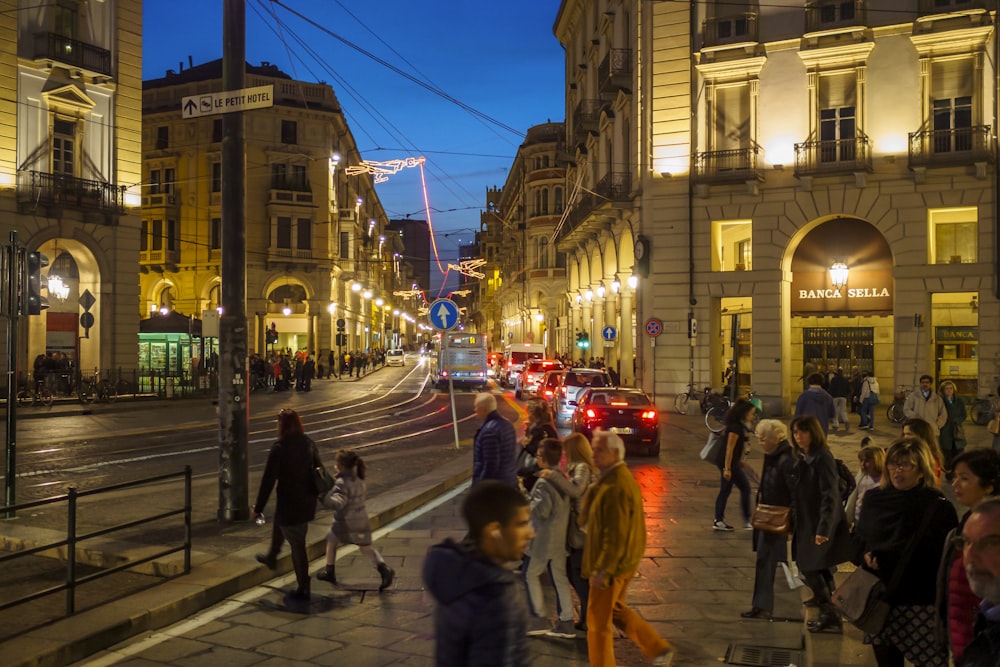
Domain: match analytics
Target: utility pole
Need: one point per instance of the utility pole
(234, 416)
(12, 298)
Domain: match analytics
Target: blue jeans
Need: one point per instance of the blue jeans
(868, 412)
(738, 478)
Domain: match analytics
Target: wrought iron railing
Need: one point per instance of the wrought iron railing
(960, 145)
(586, 117)
(615, 71)
(290, 183)
(824, 156)
(732, 29)
(733, 164)
(72, 52)
(616, 186)
(59, 189)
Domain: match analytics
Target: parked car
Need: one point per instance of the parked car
(629, 413)
(395, 358)
(549, 384)
(573, 383)
(526, 382)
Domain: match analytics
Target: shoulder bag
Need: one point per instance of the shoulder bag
(994, 426)
(862, 596)
(714, 451)
(772, 518)
(321, 479)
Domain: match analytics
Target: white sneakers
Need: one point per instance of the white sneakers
(722, 525)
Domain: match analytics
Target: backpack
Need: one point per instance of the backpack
(845, 480)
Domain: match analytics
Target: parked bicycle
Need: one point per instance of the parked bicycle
(682, 401)
(96, 389)
(35, 394)
(895, 410)
(720, 403)
(983, 410)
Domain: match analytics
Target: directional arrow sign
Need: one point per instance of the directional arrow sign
(228, 101)
(608, 333)
(443, 315)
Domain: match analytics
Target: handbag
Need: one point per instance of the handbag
(959, 432)
(322, 481)
(714, 451)
(862, 596)
(994, 426)
(772, 518)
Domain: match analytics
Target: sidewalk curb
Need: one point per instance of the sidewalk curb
(76, 637)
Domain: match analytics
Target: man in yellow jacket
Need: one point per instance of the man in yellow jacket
(616, 539)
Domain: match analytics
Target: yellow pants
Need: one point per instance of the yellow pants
(606, 608)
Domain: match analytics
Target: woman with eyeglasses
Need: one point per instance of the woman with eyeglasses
(290, 465)
(821, 539)
(976, 476)
(906, 522)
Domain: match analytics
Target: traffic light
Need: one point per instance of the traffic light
(582, 340)
(586, 340)
(36, 303)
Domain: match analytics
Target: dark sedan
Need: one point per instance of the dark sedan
(626, 412)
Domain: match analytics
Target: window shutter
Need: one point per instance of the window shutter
(838, 90)
(951, 79)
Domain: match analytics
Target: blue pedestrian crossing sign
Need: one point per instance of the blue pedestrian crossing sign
(443, 314)
(608, 333)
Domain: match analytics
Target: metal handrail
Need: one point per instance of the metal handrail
(72, 538)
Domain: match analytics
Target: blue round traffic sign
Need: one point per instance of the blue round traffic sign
(443, 314)
(654, 327)
(609, 333)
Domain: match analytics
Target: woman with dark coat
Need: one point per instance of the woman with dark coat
(290, 464)
(952, 436)
(540, 426)
(736, 419)
(906, 506)
(821, 537)
(775, 489)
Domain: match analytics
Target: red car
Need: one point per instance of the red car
(626, 412)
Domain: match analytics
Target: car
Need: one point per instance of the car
(629, 413)
(549, 384)
(572, 384)
(395, 358)
(526, 382)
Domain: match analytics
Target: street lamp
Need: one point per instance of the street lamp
(616, 284)
(633, 281)
(355, 286)
(838, 274)
(590, 295)
(601, 291)
(379, 302)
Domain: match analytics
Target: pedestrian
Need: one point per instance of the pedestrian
(730, 379)
(869, 398)
(856, 380)
(977, 476)
(290, 465)
(915, 427)
(616, 540)
(817, 402)
(981, 550)
(547, 552)
(776, 489)
(952, 437)
(540, 426)
(494, 449)
(926, 404)
(821, 539)
(308, 372)
(903, 524)
(737, 420)
(840, 389)
(351, 524)
(480, 615)
(872, 461)
(582, 473)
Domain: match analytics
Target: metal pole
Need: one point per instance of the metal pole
(13, 298)
(70, 550)
(451, 390)
(234, 416)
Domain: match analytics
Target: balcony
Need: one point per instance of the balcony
(586, 118)
(957, 146)
(615, 186)
(163, 200)
(53, 49)
(160, 257)
(39, 188)
(831, 15)
(833, 156)
(289, 190)
(615, 72)
(734, 29)
(733, 165)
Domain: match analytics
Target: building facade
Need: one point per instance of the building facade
(70, 172)
(318, 250)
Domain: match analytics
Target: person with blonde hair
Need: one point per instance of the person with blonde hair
(775, 489)
(904, 524)
(915, 427)
(952, 436)
(872, 460)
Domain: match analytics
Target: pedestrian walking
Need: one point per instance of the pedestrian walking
(737, 420)
(494, 449)
(480, 614)
(290, 465)
(547, 552)
(540, 426)
(351, 524)
(616, 540)
(817, 402)
(952, 436)
(871, 458)
(821, 539)
(869, 398)
(926, 404)
(840, 389)
(775, 489)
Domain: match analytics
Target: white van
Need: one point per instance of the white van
(514, 359)
(395, 357)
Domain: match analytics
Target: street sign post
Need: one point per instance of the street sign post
(609, 333)
(443, 316)
(244, 99)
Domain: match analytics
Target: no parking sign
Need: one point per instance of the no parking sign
(654, 327)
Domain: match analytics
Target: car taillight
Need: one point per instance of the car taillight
(562, 391)
(590, 413)
(548, 392)
(444, 374)
(622, 404)
(649, 415)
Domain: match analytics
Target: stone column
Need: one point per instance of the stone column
(625, 334)
(587, 325)
(611, 319)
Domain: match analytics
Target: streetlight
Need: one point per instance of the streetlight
(633, 281)
(838, 275)
(590, 295)
(356, 286)
(616, 284)
(601, 291)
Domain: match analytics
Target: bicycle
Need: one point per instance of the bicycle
(91, 389)
(895, 410)
(982, 410)
(681, 401)
(716, 414)
(38, 394)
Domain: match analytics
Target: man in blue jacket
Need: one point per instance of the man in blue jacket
(817, 402)
(494, 450)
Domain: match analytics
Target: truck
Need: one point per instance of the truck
(515, 356)
(462, 361)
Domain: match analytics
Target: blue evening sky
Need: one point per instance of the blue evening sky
(499, 58)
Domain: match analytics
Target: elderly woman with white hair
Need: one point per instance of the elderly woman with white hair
(775, 489)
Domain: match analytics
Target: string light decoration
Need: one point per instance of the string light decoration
(381, 171)
(469, 267)
(462, 292)
(407, 293)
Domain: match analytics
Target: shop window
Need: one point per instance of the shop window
(732, 245)
(953, 236)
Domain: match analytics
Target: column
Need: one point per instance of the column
(611, 319)
(596, 334)
(625, 336)
(587, 325)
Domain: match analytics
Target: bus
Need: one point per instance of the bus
(463, 361)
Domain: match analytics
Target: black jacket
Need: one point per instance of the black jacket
(777, 476)
(984, 651)
(481, 617)
(840, 387)
(818, 510)
(889, 518)
(290, 464)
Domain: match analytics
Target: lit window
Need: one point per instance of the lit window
(732, 245)
(953, 235)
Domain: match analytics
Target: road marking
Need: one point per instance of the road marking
(114, 656)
